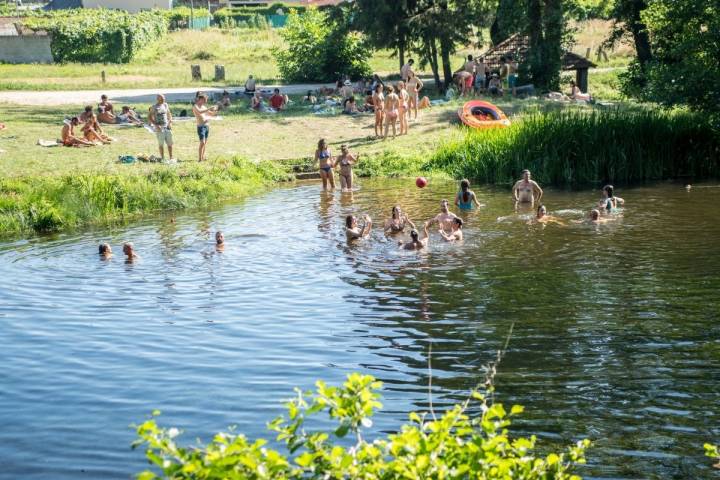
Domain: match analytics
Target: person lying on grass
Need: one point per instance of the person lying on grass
(69, 139)
(128, 115)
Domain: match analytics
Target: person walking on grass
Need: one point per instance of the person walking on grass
(160, 118)
(202, 117)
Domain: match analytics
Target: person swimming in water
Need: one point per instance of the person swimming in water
(524, 190)
(416, 243)
(542, 217)
(456, 234)
(610, 202)
(326, 163)
(219, 241)
(353, 231)
(465, 198)
(105, 251)
(445, 218)
(129, 251)
(397, 221)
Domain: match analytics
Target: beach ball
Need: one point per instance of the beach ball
(421, 182)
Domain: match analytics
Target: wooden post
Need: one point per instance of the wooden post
(219, 73)
(195, 71)
(102, 75)
(581, 79)
(587, 52)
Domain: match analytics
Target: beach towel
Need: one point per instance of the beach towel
(126, 159)
(49, 143)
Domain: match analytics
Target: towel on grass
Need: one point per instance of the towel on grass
(49, 143)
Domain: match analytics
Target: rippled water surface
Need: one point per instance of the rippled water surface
(616, 334)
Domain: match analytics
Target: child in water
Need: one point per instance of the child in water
(105, 251)
(465, 198)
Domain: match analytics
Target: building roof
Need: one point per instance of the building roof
(13, 27)
(518, 45)
(63, 4)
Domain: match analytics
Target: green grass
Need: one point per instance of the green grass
(577, 147)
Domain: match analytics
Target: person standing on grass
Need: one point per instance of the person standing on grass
(469, 65)
(480, 75)
(378, 99)
(406, 69)
(404, 108)
(512, 75)
(414, 85)
(392, 111)
(160, 118)
(202, 117)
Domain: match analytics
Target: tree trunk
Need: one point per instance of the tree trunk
(401, 50)
(535, 53)
(434, 65)
(552, 44)
(639, 32)
(445, 48)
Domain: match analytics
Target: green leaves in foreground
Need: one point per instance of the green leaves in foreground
(453, 445)
(713, 451)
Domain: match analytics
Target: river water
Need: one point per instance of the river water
(616, 334)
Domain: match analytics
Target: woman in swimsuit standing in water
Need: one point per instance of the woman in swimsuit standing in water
(609, 201)
(346, 160)
(404, 108)
(392, 106)
(465, 198)
(524, 190)
(396, 223)
(378, 100)
(326, 163)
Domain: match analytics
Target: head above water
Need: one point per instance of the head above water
(526, 174)
(396, 212)
(464, 184)
(219, 238)
(609, 191)
(594, 214)
(104, 249)
(414, 235)
(457, 223)
(350, 221)
(541, 211)
(444, 205)
(128, 249)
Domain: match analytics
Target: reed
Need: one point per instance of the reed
(573, 148)
(43, 204)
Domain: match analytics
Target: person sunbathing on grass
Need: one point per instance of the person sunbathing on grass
(91, 129)
(128, 115)
(69, 139)
(106, 114)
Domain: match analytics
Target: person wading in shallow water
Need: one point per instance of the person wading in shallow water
(456, 234)
(397, 221)
(416, 243)
(353, 231)
(525, 190)
(444, 219)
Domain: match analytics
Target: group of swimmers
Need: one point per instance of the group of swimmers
(525, 192)
(105, 250)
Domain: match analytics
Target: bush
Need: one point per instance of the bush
(318, 50)
(179, 17)
(454, 445)
(99, 35)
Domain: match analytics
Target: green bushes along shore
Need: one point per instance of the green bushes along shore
(576, 148)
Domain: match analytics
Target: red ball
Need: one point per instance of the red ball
(421, 182)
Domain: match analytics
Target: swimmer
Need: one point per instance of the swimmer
(353, 231)
(105, 251)
(445, 218)
(219, 241)
(416, 243)
(326, 163)
(524, 190)
(593, 217)
(397, 221)
(129, 251)
(456, 234)
(465, 198)
(609, 201)
(543, 217)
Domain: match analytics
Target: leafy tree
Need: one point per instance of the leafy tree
(320, 49)
(510, 18)
(455, 444)
(546, 28)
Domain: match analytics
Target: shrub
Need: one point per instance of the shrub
(99, 35)
(179, 17)
(318, 49)
(453, 445)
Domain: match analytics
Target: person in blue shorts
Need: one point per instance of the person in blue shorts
(202, 116)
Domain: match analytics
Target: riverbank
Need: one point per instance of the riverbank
(576, 147)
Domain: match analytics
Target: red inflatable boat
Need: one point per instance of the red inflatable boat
(479, 114)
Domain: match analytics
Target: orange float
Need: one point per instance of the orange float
(479, 114)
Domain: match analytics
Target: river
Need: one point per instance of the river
(616, 335)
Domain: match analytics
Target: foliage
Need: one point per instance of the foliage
(590, 9)
(579, 148)
(43, 204)
(99, 35)
(317, 49)
(713, 451)
(255, 21)
(685, 41)
(454, 445)
(179, 17)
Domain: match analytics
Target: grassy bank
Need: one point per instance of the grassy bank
(588, 147)
(49, 203)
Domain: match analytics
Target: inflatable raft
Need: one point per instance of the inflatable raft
(479, 114)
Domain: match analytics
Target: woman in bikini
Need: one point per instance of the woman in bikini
(378, 100)
(392, 110)
(346, 160)
(414, 85)
(397, 221)
(465, 198)
(404, 108)
(326, 163)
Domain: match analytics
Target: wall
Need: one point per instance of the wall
(26, 49)
(131, 6)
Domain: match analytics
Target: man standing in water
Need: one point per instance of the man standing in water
(524, 190)
(445, 218)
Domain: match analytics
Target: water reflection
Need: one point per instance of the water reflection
(615, 337)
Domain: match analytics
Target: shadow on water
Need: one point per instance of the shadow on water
(615, 326)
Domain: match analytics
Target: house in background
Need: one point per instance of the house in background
(132, 6)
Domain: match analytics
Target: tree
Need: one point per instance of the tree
(320, 49)
(546, 31)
